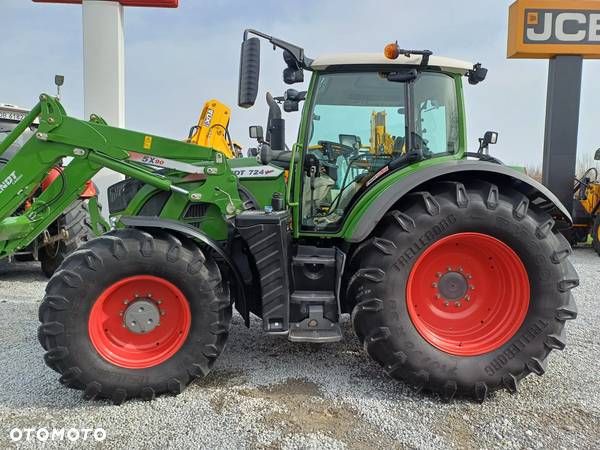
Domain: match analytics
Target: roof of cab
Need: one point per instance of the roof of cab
(353, 59)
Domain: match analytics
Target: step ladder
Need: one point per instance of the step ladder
(314, 303)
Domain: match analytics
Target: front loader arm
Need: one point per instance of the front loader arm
(94, 145)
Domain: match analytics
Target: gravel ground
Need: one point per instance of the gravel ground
(265, 392)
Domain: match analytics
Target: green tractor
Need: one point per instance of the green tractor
(453, 268)
(71, 228)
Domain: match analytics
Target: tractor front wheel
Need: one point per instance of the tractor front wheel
(133, 314)
(463, 290)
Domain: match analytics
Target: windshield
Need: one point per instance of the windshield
(360, 123)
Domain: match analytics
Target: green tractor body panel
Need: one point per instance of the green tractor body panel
(255, 183)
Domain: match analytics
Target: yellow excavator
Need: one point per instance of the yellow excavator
(586, 211)
(212, 130)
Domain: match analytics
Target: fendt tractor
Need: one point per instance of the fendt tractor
(451, 264)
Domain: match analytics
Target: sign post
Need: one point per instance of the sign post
(565, 32)
(104, 65)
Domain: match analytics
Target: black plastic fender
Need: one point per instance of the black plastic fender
(193, 233)
(539, 194)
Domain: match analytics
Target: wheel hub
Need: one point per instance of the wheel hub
(139, 322)
(468, 294)
(141, 316)
(453, 285)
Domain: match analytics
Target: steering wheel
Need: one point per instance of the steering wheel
(335, 149)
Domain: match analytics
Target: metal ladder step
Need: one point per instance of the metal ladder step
(316, 328)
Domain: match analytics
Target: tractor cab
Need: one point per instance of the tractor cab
(361, 125)
(364, 116)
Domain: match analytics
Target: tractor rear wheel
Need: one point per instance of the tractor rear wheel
(463, 290)
(134, 314)
(78, 226)
(596, 234)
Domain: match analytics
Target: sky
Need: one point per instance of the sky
(176, 59)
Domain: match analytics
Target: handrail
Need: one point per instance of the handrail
(291, 179)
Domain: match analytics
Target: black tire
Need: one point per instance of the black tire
(77, 222)
(381, 319)
(86, 273)
(595, 232)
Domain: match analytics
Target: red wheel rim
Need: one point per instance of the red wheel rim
(468, 294)
(125, 346)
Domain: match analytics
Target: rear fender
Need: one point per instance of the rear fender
(381, 197)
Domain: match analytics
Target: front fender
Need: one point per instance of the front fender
(381, 197)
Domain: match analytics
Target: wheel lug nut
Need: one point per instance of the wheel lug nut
(468, 276)
(457, 304)
(446, 303)
(438, 274)
(126, 302)
(449, 269)
(438, 296)
(460, 269)
(467, 298)
(434, 284)
(471, 287)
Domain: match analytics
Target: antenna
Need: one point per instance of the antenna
(58, 81)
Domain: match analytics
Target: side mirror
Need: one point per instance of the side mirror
(291, 106)
(256, 132)
(249, 72)
(490, 137)
(293, 94)
(597, 155)
(477, 74)
(292, 99)
(293, 73)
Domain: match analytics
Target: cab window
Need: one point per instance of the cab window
(359, 123)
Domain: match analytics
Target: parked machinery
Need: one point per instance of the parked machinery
(453, 270)
(586, 208)
(72, 227)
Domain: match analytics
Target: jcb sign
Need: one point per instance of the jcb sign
(543, 29)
